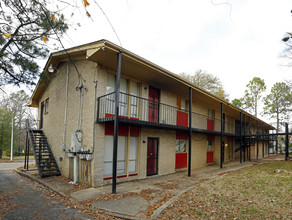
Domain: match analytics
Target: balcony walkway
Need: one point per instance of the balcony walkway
(139, 111)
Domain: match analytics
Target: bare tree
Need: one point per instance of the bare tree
(207, 81)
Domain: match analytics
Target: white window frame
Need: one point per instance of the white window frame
(108, 155)
(133, 155)
(181, 146)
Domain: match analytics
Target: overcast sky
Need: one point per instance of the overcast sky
(234, 41)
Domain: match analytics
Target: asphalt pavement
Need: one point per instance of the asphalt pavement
(24, 199)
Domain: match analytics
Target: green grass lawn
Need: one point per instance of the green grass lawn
(15, 158)
(256, 192)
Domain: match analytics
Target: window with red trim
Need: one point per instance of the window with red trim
(124, 147)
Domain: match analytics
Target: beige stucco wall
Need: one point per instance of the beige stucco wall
(54, 121)
(260, 146)
(54, 124)
(199, 150)
(199, 120)
(253, 152)
(166, 150)
(167, 114)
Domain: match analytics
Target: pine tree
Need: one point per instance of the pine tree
(26, 26)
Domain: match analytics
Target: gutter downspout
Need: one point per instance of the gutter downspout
(94, 115)
(80, 107)
(65, 114)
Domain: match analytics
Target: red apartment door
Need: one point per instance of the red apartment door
(210, 150)
(152, 156)
(153, 105)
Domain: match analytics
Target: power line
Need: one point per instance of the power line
(109, 22)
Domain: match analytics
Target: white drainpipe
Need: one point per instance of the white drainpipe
(66, 103)
(76, 160)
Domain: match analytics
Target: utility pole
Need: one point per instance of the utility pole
(11, 153)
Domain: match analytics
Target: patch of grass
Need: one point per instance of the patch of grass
(244, 192)
(256, 192)
(16, 158)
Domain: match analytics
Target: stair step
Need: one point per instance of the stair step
(49, 168)
(44, 157)
(48, 175)
(47, 161)
(37, 131)
(49, 165)
(50, 171)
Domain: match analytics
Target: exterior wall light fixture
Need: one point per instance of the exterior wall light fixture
(51, 69)
(286, 36)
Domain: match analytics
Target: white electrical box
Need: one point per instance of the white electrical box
(70, 155)
(76, 139)
(88, 157)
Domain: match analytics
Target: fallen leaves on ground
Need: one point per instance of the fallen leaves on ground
(252, 193)
(55, 198)
(166, 186)
(6, 204)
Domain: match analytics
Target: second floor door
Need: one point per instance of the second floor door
(153, 110)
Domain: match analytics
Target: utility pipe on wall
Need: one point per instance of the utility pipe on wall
(94, 114)
(80, 107)
(76, 167)
(66, 103)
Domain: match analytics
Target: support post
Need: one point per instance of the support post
(25, 153)
(257, 140)
(263, 147)
(240, 140)
(286, 142)
(116, 123)
(190, 131)
(244, 142)
(249, 148)
(27, 162)
(98, 109)
(11, 151)
(221, 137)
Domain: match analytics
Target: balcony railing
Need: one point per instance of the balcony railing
(144, 110)
(136, 108)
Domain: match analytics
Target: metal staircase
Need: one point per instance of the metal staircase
(45, 161)
(248, 142)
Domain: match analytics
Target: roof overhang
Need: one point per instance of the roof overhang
(105, 53)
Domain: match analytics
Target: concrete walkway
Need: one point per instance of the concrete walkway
(140, 199)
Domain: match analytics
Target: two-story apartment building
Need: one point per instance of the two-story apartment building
(165, 123)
